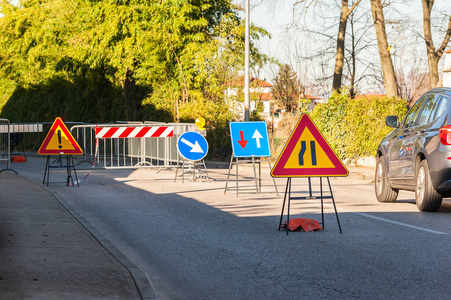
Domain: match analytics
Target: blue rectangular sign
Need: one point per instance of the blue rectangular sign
(249, 139)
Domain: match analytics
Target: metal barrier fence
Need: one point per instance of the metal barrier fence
(26, 138)
(5, 148)
(21, 135)
(160, 152)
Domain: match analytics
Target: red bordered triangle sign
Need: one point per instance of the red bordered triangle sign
(59, 141)
(307, 154)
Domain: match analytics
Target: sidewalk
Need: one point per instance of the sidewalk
(45, 253)
(361, 173)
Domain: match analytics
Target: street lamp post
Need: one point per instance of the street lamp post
(246, 63)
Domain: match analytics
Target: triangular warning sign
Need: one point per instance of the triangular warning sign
(307, 154)
(59, 141)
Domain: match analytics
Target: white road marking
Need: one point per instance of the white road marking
(399, 223)
(384, 219)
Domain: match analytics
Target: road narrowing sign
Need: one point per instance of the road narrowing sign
(307, 154)
(249, 139)
(59, 141)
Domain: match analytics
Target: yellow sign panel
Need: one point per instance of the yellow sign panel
(312, 155)
(59, 141)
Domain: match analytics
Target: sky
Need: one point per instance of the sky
(292, 46)
(274, 20)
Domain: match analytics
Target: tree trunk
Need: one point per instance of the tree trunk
(433, 55)
(130, 94)
(339, 58)
(433, 69)
(391, 88)
(352, 90)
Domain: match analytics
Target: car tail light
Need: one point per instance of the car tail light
(445, 135)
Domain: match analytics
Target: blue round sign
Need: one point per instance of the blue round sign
(192, 146)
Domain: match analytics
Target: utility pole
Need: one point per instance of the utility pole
(246, 63)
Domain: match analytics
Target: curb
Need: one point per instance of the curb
(142, 281)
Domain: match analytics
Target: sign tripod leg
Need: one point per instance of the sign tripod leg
(257, 179)
(228, 174)
(236, 177)
(322, 197)
(206, 171)
(47, 171)
(273, 179)
(333, 201)
(283, 205)
(289, 202)
(70, 166)
(258, 183)
(196, 169)
(322, 201)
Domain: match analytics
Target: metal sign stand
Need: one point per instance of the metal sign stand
(254, 161)
(195, 167)
(69, 167)
(192, 146)
(310, 197)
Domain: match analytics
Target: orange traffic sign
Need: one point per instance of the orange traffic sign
(59, 141)
(307, 154)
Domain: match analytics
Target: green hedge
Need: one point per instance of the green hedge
(354, 127)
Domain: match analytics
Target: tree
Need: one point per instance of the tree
(358, 41)
(339, 39)
(411, 84)
(286, 88)
(388, 70)
(345, 11)
(433, 54)
(120, 59)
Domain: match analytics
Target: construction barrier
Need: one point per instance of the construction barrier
(102, 152)
(129, 144)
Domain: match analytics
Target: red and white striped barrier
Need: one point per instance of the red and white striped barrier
(133, 132)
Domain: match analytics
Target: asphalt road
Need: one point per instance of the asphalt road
(194, 242)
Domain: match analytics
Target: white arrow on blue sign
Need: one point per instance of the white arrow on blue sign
(192, 146)
(249, 139)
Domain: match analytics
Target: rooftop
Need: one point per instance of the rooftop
(252, 81)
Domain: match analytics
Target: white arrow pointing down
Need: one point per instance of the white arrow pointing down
(257, 136)
(194, 147)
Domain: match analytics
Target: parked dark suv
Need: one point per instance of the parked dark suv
(416, 155)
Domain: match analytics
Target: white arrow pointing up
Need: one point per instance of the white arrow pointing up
(194, 147)
(257, 136)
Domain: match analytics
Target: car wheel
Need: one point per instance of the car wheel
(426, 197)
(384, 193)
